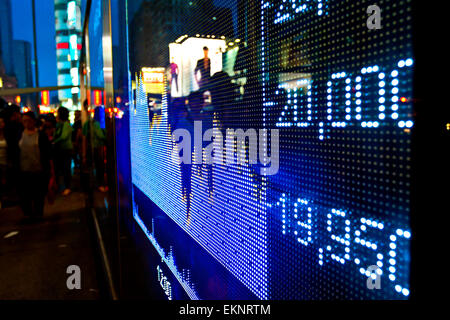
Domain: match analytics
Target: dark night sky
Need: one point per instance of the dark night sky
(22, 23)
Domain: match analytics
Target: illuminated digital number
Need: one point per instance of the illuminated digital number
(303, 221)
(398, 240)
(364, 245)
(339, 99)
(297, 218)
(165, 284)
(294, 112)
(338, 226)
(367, 99)
(289, 9)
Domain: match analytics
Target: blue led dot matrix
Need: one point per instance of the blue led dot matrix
(337, 213)
(347, 103)
(290, 9)
(342, 98)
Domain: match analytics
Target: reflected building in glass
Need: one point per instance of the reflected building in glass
(68, 46)
(7, 79)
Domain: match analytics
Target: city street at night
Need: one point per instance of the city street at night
(222, 158)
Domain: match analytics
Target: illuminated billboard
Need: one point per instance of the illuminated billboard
(45, 98)
(98, 97)
(153, 79)
(192, 62)
(73, 15)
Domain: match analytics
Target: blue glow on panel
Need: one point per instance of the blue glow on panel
(374, 100)
(228, 221)
(339, 204)
(349, 101)
(168, 258)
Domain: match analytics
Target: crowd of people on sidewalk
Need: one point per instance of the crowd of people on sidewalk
(38, 155)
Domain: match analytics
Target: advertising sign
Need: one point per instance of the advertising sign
(192, 62)
(45, 98)
(153, 79)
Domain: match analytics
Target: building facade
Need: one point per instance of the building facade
(6, 42)
(22, 63)
(68, 46)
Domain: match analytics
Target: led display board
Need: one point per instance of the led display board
(296, 186)
(153, 79)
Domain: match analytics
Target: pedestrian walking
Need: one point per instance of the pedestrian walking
(63, 148)
(36, 168)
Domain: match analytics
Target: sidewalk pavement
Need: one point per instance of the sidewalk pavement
(34, 257)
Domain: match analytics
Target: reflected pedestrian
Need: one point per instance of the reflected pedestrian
(13, 132)
(174, 75)
(50, 126)
(36, 167)
(96, 137)
(41, 122)
(63, 149)
(202, 72)
(3, 159)
(184, 121)
(222, 98)
(77, 139)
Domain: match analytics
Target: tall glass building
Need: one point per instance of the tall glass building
(68, 46)
(6, 44)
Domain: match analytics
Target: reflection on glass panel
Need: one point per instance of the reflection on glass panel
(269, 147)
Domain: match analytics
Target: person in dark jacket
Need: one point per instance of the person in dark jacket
(77, 139)
(96, 137)
(3, 158)
(63, 148)
(202, 72)
(13, 131)
(36, 167)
